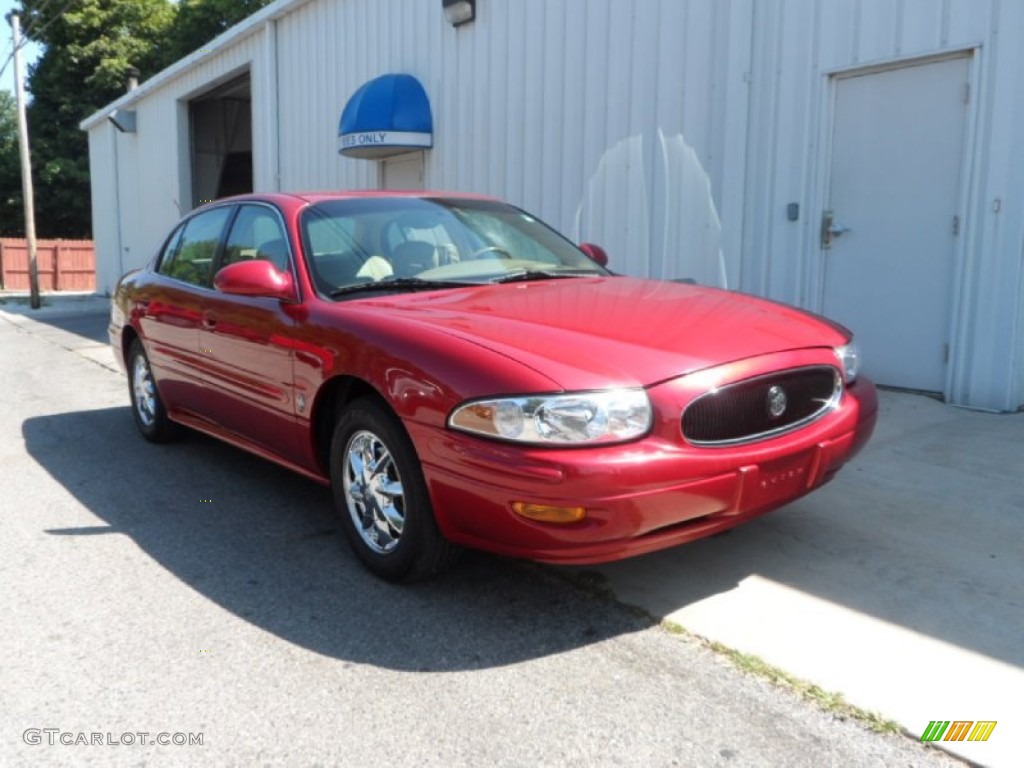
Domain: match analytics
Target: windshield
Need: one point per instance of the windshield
(396, 243)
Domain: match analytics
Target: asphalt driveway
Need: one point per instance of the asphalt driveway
(900, 584)
(193, 588)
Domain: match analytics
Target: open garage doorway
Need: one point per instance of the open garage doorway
(220, 124)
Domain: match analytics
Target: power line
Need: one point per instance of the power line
(10, 58)
(31, 27)
(3, 67)
(56, 16)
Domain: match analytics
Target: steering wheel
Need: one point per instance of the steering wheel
(492, 248)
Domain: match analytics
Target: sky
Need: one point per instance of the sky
(29, 53)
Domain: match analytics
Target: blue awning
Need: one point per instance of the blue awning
(387, 116)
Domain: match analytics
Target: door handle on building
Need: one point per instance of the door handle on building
(830, 230)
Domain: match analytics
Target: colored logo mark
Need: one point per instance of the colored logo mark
(958, 730)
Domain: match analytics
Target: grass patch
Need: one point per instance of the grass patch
(830, 701)
(594, 583)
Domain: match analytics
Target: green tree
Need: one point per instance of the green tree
(199, 21)
(89, 47)
(12, 219)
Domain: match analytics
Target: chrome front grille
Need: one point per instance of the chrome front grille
(762, 407)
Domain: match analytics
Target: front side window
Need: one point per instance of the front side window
(257, 234)
(192, 259)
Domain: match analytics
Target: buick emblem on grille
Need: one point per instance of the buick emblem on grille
(776, 401)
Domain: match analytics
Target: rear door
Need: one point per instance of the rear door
(245, 343)
(172, 308)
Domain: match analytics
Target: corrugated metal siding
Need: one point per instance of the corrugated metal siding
(572, 109)
(797, 43)
(674, 132)
(1017, 343)
(990, 347)
(151, 187)
(105, 211)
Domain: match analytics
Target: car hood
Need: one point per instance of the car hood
(598, 332)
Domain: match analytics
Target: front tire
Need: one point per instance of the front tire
(147, 407)
(381, 496)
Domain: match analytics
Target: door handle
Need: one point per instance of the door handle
(830, 230)
(209, 320)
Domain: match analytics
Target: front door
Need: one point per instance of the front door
(892, 216)
(402, 172)
(246, 345)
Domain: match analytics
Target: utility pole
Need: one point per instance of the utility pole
(26, 167)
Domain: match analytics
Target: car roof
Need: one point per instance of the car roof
(319, 197)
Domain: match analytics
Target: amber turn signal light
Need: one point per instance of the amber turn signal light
(549, 514)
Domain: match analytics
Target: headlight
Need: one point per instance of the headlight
(849, 359)
(611, 416)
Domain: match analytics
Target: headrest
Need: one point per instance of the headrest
(413, 256)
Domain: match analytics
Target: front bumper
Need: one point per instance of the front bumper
(642, 496)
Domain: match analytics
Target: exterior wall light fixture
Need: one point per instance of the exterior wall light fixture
(123, 120)
(459, 11)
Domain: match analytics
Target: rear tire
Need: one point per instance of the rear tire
(147, 407)
(381, 496)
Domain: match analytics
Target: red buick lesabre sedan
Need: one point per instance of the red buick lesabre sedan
(462, 375)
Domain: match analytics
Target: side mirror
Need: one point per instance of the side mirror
(257, 277)
(596, 253)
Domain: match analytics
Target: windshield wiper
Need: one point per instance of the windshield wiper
(542, 274)
(396, 284)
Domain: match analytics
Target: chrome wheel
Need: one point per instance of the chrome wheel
(373, 492)
(381, 495)
(148, 411)
(144, 391)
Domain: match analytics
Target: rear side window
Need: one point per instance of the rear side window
(257, 234)
(170, 249)
(192, 259)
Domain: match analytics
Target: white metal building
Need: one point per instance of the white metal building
(858, 158)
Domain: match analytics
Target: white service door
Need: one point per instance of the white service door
(402, 172)
(897, 149)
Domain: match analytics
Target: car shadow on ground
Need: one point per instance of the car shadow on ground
(263, 543)
(889, 538)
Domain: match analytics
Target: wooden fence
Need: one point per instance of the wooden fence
(64, 265)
